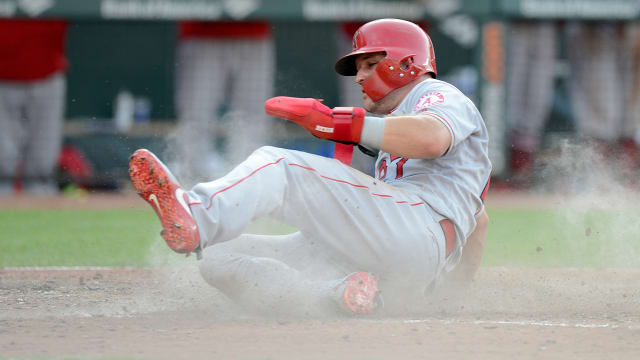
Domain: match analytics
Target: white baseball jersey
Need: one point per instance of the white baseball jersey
(453, 183)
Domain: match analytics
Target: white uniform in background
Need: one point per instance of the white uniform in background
(598, 74)
(32, 103)
(236, 70)
(531, 70)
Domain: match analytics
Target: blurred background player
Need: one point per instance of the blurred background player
(603, 63)
(531, 69)
(32, 102)
(603, 87)
(222, 68)
(632, 36)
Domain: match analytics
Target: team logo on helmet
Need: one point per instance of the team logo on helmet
(354, 42)
(428, 100)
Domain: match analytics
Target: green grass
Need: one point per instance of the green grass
(84, 237)
(573, 238)
(130, 238)
(75, 237)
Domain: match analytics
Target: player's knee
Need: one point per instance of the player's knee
(208, 271)
(270, 152)
(219, 269)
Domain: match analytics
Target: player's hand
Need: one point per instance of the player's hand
(342, 124)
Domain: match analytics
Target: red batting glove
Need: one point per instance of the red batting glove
(341, 124)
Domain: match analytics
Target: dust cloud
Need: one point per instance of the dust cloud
(201, 155)
(599, 207)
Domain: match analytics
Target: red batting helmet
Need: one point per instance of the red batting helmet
(409, 54)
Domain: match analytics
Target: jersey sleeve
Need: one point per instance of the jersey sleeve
(452, 108)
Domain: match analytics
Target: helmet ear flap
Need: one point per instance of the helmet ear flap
(391, 74)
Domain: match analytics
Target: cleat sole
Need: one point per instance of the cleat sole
(154, 184)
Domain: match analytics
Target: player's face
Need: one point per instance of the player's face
(366, 66)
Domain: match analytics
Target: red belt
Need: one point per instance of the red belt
(449, 235)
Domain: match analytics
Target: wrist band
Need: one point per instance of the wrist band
(372, 132)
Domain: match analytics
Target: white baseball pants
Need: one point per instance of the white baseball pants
(357, 222)
(31, 121)
(598, 79)
(531, 80)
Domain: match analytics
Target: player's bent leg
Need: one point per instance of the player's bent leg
(266, 285)
(303, 253)
(157, 186)
(399, 237)
(472, 252)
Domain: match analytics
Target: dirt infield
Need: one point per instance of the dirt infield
(171, 313)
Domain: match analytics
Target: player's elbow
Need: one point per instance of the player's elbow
(482, 228)
(482, 224)
(436, 145)
(483, 220)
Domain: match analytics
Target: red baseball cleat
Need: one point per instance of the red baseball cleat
(359, 293)
(157, 186)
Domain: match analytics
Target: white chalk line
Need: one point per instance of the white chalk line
(527, 323)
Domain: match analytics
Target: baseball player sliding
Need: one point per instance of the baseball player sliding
(400, 233)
